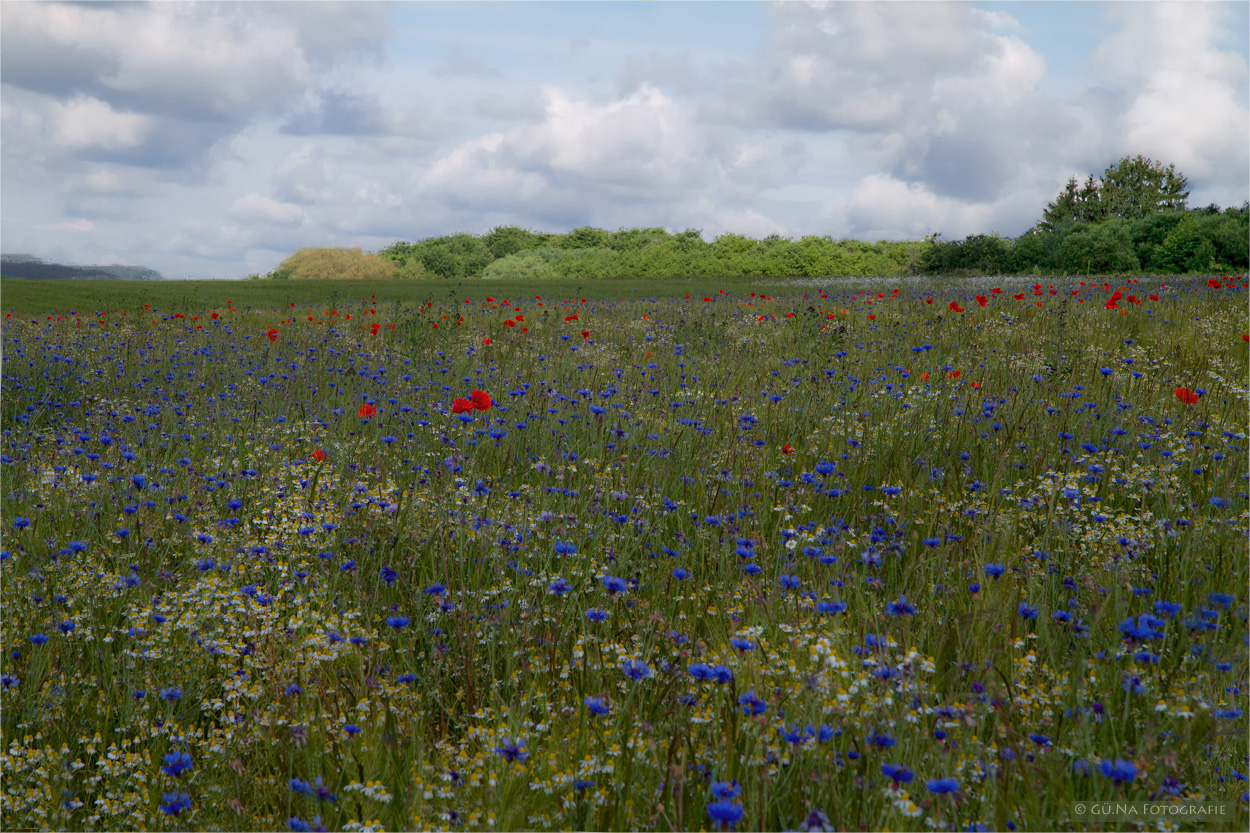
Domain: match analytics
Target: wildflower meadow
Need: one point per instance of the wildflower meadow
(897, 555)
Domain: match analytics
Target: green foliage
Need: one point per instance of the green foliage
(1130, 189)
(1106, 247)
(1186, 248)
(526, 265)
(502, 241)
(584, 238)
(984, 253)
(1139, 187)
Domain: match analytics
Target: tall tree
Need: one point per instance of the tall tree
(1076, 203)
(1129, 189)
(1140, 186)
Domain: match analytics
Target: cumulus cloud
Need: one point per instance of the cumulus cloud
(254, 207)
(1186, 99)
(942, 103)
(150, 77)
(644, 147)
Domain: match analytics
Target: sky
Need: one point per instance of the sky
(213, 140)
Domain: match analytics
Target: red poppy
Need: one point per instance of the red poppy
(982, 300)
(954, 374)
(1214, 283)
(1187, 396)
(1154, 297)
(928, 300)
(585, 333)
(480, 400)
(374, 327)
(508, 323)
(486, 341)
(319, 455)
(570, 318)
(955, 307)
(460, 406)
(872, 317)
(1112, 303)
(786, 449)
(273, 334)
(1019, 296)
(214, 316)
(1245, 336)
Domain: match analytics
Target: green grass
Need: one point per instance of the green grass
(273, 535)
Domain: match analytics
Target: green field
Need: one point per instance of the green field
(836, 554)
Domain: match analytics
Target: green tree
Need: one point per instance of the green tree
(1079, 203)
(506, 240)
(585, 238)
(1099, 249)
(1140, 186)
(1186, 248)
(1131, 188)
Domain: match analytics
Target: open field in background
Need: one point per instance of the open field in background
(32, 297)
(887, 555)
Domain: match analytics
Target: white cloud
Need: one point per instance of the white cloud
(1186, 98)
(78, 225)
(256, 208)
(85, 123)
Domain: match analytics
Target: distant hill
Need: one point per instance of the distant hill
(35, 268)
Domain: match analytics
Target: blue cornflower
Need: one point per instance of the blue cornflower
(1027, 611)
(21, 523)
(931, 542)
(38, 638)
(897, 773)
(882, 741)
(900, 607)
(172, 693)
(511, 750)
(830, 607)
(558, 586)
(1040, 740)
(725, 789)
(565, 548)
(790, 582)
(941, 786)
(636, 669)
(1220, 600)
(397, 622)
(752, 705)
(741, 644)
(597, 705)
(176, 763)
(613, 584)
(388, 575)
(175, 803)
(436, 589)
(1121, 771)
(995, 570)
(725, 812)
(597, 614)
(680, 574)
(1142, 629)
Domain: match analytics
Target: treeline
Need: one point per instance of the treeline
(1133, 218)
(1173, 242)
(510, 252)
